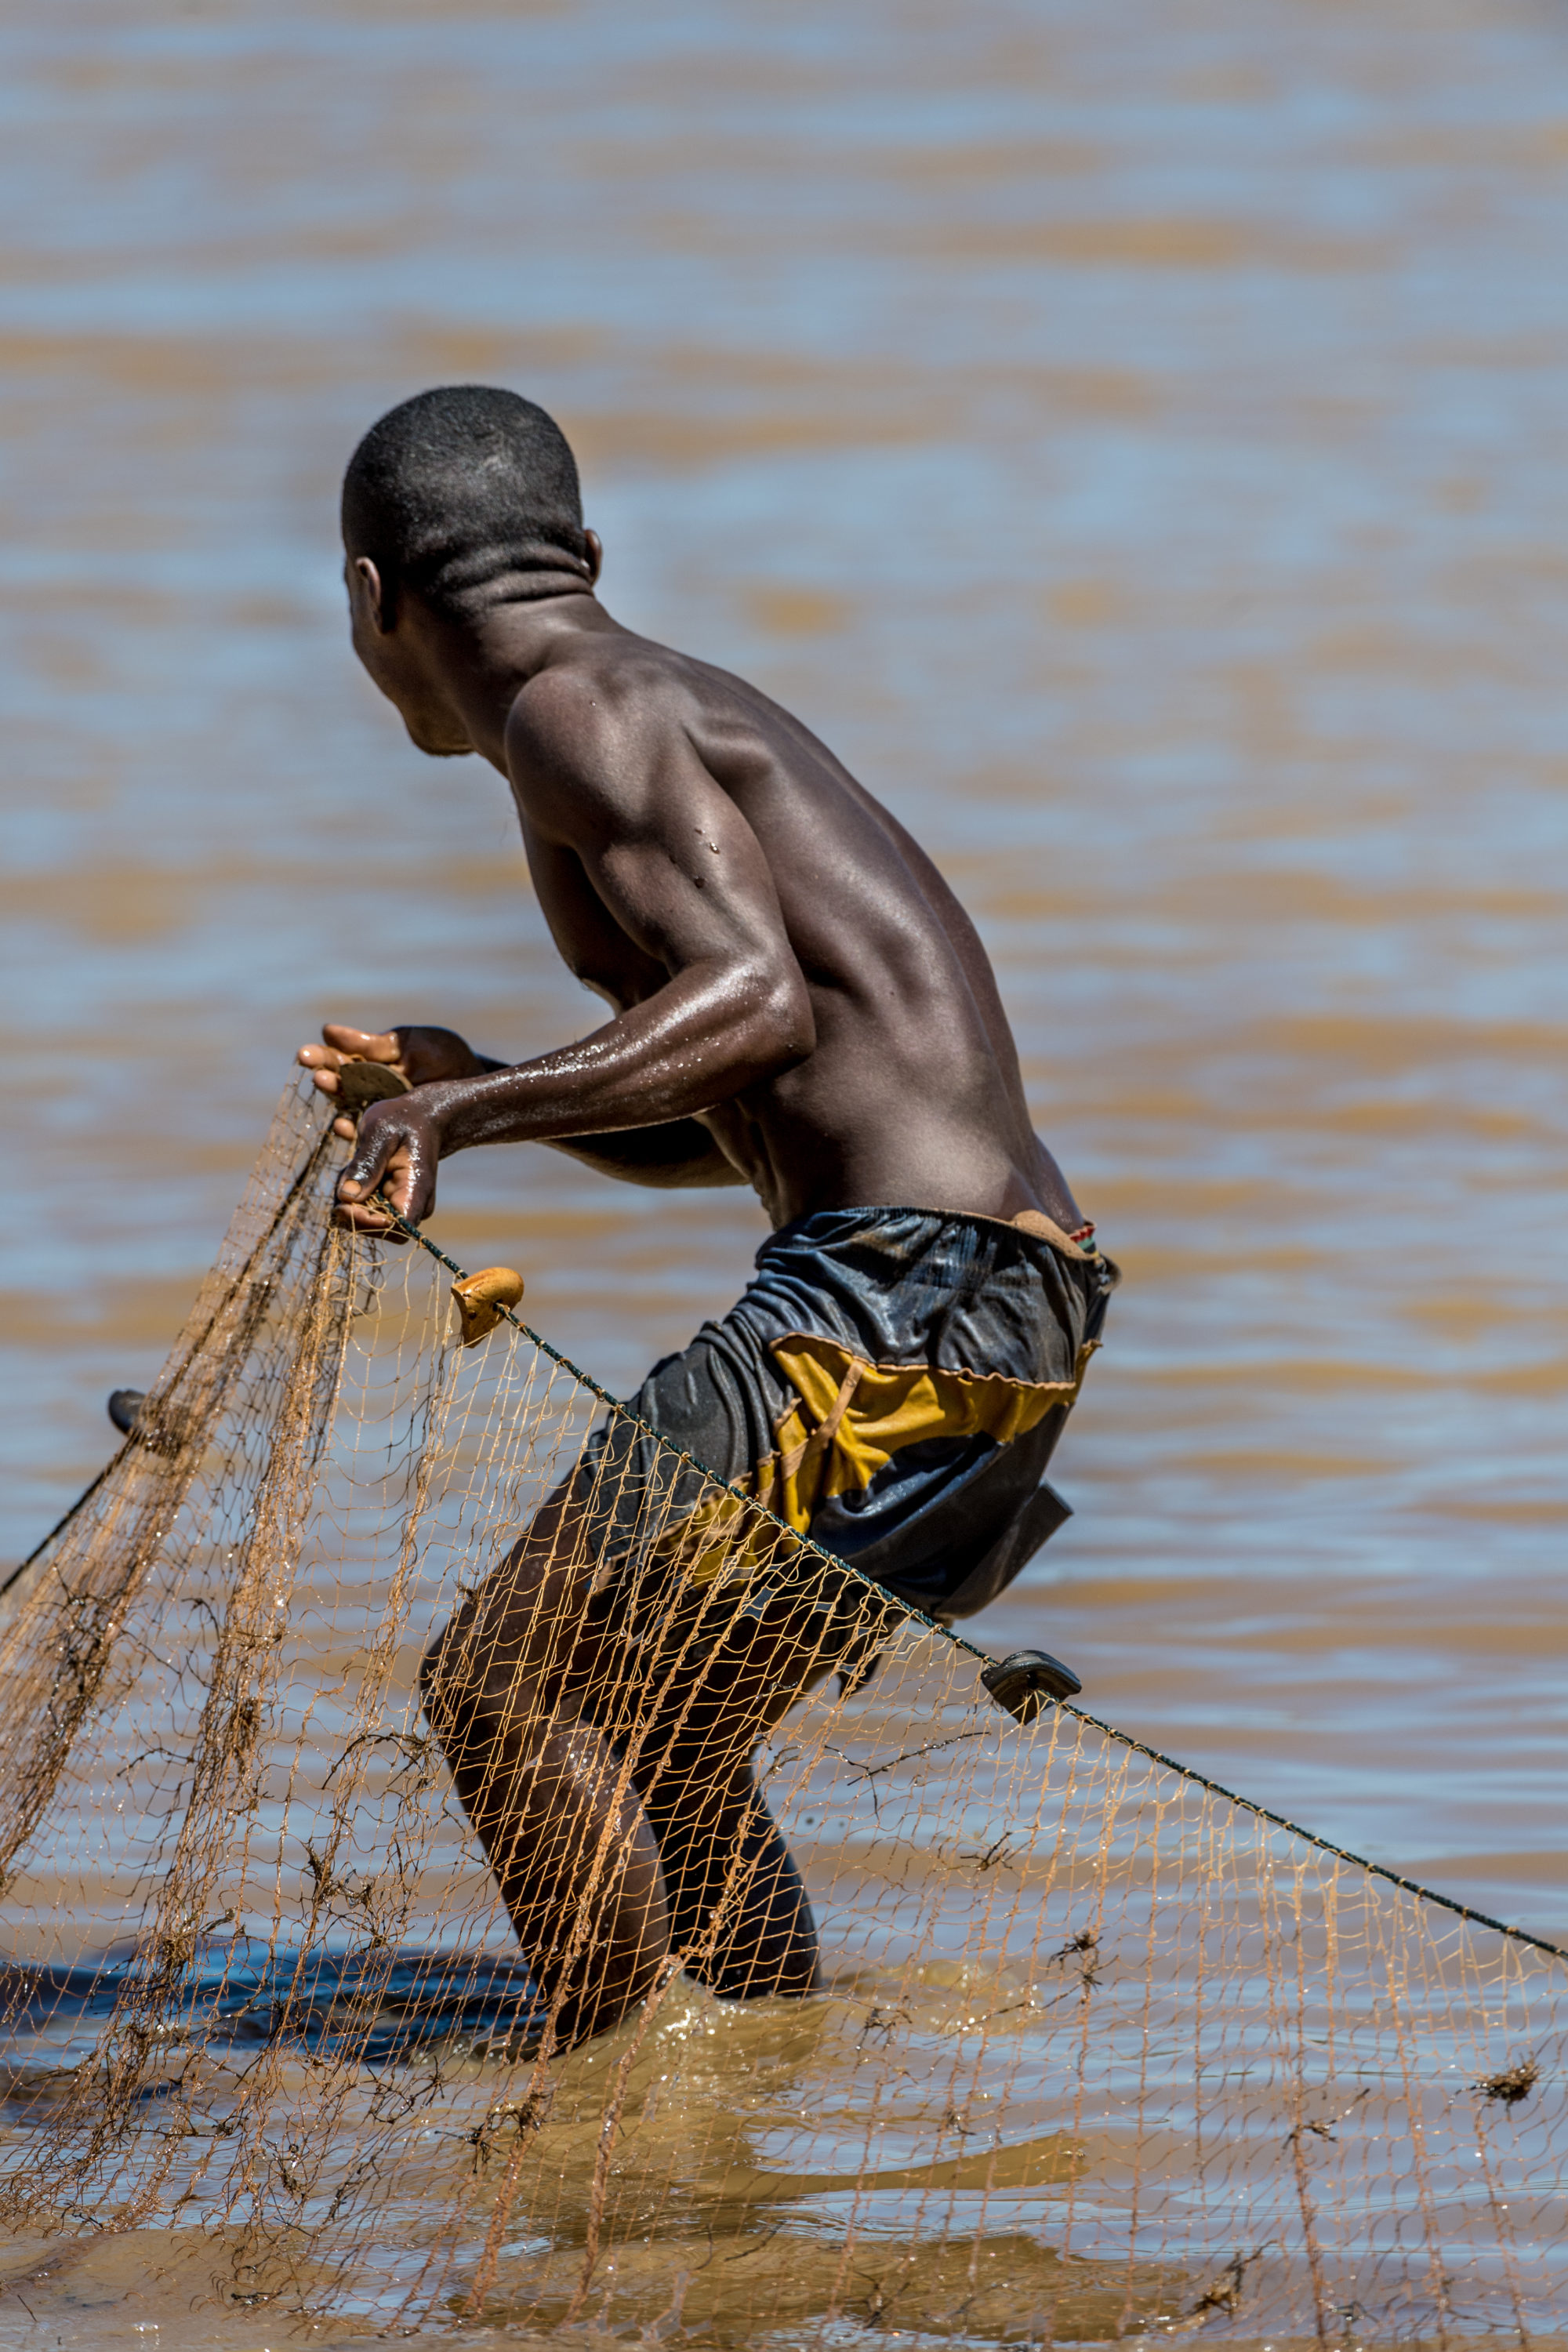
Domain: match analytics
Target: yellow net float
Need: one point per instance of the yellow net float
(483, 1299)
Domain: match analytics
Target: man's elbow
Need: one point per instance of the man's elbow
(777, 1028)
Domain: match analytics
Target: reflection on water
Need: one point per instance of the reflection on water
(238, 1992)
(1136, 439)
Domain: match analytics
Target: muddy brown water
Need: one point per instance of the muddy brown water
(1136, 438)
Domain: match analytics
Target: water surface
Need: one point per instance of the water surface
(1136, 439)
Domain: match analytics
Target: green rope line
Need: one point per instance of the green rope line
(1340, 1853)
(63, 1522)
(1170, 1763)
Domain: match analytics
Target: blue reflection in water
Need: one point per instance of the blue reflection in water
(376, 2007)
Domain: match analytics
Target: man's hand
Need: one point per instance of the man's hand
(400, 1141)
(422, 1056)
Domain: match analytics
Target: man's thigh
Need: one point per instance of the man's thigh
(678, 1619)
(688, 1692)
(528, 1631)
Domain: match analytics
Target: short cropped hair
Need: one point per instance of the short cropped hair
(466, 495)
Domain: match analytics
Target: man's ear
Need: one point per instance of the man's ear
(376, 603)
(595, 556)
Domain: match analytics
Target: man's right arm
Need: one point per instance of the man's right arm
(677, 1154)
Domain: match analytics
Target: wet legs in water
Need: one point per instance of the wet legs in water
(610, 1780)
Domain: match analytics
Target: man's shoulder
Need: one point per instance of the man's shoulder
(593, 699)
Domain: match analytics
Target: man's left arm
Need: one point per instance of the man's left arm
(675, 1155)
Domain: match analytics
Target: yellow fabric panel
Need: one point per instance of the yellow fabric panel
(821, 1453)
(891, 1406)
(711, 1538)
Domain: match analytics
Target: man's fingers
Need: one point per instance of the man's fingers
(323, 1064)
(382, 1146)
(346, 1044)
(385, 1165)
(396, 1158)
(365, 1044)
(367, 1220)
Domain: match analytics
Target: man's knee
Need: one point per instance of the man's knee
(460, 1667)
(508, 1640)
(446, 1682)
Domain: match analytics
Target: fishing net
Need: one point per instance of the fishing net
(1097, 2050)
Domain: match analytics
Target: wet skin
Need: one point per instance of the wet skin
(799, 1003)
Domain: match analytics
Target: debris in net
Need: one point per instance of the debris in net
(1224, 2293)
(1514, 2084)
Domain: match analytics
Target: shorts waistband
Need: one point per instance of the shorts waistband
(1034, 1222)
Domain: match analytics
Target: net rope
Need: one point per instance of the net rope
(1097, 2049)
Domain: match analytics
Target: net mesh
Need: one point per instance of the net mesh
(1094, 2049)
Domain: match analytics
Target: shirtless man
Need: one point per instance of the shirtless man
(797, 1002)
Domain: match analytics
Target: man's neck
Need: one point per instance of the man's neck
(487, 662)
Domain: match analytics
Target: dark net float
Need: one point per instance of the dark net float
(1102, 2051)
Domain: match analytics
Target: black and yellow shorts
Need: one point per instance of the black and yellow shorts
(891, 1384)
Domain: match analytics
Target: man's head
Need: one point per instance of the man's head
(460, 500)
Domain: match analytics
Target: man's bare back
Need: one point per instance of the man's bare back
(788, 967)
(799, 1002)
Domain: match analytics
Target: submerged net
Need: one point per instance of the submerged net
(1098, 2050)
